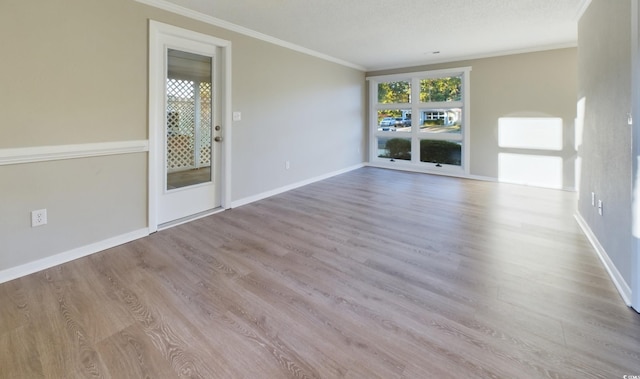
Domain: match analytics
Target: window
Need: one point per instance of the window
(420, 120)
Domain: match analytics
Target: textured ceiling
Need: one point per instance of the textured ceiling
(376, 34)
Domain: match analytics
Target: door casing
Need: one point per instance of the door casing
(162, 36)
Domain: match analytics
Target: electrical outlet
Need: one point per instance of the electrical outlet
(600, 207)
(38, 217)
(287, 165)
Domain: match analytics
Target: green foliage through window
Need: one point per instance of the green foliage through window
(394, 92)
(399, 148)
(441, 89)
(437, 151)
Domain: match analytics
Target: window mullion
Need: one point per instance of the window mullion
(382, 106)
(415, 125)
(439, 105)
(373, 117)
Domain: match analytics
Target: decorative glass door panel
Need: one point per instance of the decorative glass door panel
(189, 119)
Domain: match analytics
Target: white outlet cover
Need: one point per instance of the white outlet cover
(39, 217)
(237, 116)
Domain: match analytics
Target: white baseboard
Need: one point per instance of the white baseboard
(616, 277)
(458, 174)
(277, 191)
(83, 251)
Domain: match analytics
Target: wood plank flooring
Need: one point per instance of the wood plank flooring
(370, 274)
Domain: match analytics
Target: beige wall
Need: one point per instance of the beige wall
(75, 72)
(87, 201)
(290, 113)
(604, 66)
(539, 84)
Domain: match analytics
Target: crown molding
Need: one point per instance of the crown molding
(463, 58)
(582, 8)
(199, 16)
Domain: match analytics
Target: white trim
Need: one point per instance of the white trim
(57, 152)
(635, 133)
(227, 124)
(175, 31)
(493, 54)
(277, 191)
(616, 277)
(400, 165)
(583, 8)
(466, 115)
(452, 173)
(422, 74)
(155, 87)
(425, 170)
(58, 259)
(194, 15)
(187, 219)
(182, 11)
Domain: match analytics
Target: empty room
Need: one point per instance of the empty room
(320, 189)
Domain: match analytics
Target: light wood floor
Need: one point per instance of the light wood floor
(370, 274)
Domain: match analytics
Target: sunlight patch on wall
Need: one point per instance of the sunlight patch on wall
(581, 108)
(533, 170)
(540, 133)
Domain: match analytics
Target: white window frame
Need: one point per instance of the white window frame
(415, 135)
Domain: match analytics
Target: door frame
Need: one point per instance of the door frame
(635, 175)
(158, 34)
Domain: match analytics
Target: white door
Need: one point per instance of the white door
(186, 131)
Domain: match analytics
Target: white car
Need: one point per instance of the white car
(388, 124)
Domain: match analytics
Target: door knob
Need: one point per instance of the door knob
(218, 139)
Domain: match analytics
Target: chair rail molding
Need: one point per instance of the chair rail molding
(33, 154)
